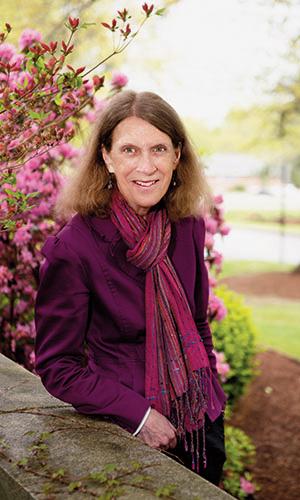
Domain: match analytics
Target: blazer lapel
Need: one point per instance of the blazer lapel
(107, 231)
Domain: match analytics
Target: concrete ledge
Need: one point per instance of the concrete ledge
(79, 445)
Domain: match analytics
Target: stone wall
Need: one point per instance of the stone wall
(48, 450)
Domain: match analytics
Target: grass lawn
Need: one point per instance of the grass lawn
(237, 267)
(268, 226)
(278, 324)
(264, 219)
(277, 320)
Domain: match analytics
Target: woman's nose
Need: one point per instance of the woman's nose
(146, 163)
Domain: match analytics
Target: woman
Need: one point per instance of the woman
(121, 311)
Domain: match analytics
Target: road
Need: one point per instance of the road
(259, 244)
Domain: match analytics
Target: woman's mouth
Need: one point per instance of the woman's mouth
(145, 183)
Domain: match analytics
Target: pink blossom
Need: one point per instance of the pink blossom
(209, 241)
(224, 229)
(5, 276)
(218, 199)
(17, 61)
(212, 281)
(21, 306)
(119, 80)
(218, 258)
(89, 87)
(216, 307)
(32, 358)
(13, 144)
(27, 257)
(99, 104)
(220, 212)
(211, 225)
(22, 236)
(247, 486)
(91, 116)
(28, 37)
(34, 163)
(223, 368)
(7, 51)
(69, 127)
(25, 77)
(67, 150)
(13, 345)
(51, 117)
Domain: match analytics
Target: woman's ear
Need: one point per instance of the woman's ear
(107, 159)
(177, 157)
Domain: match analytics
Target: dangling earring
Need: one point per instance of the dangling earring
(174, 180)
(110, 183)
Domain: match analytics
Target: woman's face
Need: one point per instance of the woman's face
(143, 159)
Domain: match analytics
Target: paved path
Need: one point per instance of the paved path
(259, 244)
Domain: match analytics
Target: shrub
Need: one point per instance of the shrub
(240, 452)
(235, 337)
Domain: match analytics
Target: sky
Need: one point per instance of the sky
(208, 56)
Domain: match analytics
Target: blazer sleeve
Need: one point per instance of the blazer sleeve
(61, 318)
(202, 293)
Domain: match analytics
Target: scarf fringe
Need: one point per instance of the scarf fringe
(188, 416)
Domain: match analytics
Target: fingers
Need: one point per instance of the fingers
(158, 432)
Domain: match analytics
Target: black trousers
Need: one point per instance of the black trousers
(215, 451)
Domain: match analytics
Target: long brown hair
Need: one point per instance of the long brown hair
(87, 193)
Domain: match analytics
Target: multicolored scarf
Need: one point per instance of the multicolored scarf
(178, 375)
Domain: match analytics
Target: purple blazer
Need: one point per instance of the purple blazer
(90, 317)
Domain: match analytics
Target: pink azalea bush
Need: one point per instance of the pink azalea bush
(43, 98)
(42, 104)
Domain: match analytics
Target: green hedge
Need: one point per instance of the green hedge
(240, 453)
(235, 336)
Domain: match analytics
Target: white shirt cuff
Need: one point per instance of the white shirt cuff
(143, 421)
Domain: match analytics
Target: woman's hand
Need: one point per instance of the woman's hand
(158, 432)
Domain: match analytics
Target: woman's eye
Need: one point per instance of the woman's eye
(160, 149)
(129, 149)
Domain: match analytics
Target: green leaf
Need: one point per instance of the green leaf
(48, 488)
(9, 225)
(136, 465)
(165, 491)
(34, 114)
(29, 433)
(110, 467)
(58, 99)
(86, 25)
(99, 476)
(59, 473)
(8, 178)
(160, 12)
(40, 64)
(22, 462)
(3, 443)
(10, 192)
(78, 81)
(74, 485)
(32, 195)
(44, 436)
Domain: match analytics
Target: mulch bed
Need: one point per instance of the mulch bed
(269, 414)
(270, 410)
(283, 285)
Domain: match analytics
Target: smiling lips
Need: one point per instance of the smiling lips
(145, 183)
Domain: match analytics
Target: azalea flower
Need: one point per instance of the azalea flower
(119, 80)
(28, 37)
(247, 486)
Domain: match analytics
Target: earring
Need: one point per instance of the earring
(174, 180)
(110, 184)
